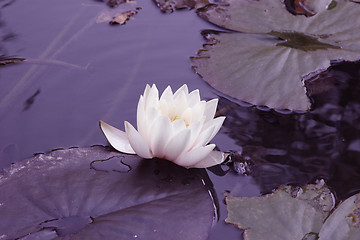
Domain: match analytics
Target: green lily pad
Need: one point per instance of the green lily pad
(267, 60)
(288, 213)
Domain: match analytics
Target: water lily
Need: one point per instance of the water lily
(177, 127)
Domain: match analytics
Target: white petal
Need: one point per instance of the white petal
(214, 158)
(183, 88)
(161, 132)
(217, 123)
(146, 91)
(178, 125)
(117, 138)
(194, 97)
(187, 116)
(177, 145)
(150, 116)
(189, 159)
(179, 105)
(152, 99)
(198, 111)
(203, 138)
(137, 142)
(166, 100)
(210, 108)
(167, 95)
(141, 116)
(195, 129)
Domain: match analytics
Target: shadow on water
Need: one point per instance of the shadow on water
(300, 148)
(5, 34)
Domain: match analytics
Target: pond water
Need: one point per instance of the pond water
(80, 69)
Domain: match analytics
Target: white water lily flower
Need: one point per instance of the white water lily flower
(176, 127)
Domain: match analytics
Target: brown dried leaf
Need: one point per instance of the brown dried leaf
(123, 17)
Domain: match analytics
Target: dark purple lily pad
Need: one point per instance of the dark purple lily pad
(67, 194)
(299, 148)
(271, 52)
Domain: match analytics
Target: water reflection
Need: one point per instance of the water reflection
(5, 34)
(299, 148)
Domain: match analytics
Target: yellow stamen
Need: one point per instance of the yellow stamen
(176, 118)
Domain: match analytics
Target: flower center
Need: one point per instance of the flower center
(173, 118)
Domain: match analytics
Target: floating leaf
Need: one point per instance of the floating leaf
(298, 148)
(305, 7)
(299, 214)
(123, 17)
(172, 5)
(289, 213)
(121, 12)
(7, 61)
(266, 62)
(115, 3)
(74, 194)
(344, 222)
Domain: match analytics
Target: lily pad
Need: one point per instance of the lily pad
(172, 5)
(7, 61)
(272, 51)
(121, 11)
(298, 148)
(305, 7)
(296, 213)
(289, 213)
(344, 222)
(68, 194)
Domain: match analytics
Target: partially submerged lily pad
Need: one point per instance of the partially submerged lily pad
(296, 213)
(298, 148)
(289, 213)
(67, 194)
(344, 222)
(172, 5)
(10, 60)
(272, 51)
(123, 17)
(121, 11)
(304, 7)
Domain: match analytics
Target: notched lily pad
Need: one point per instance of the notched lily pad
(271, 52)
(75, 194)
(111, 164)
(288, 213)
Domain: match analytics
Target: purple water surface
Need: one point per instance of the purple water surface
(80, 71)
